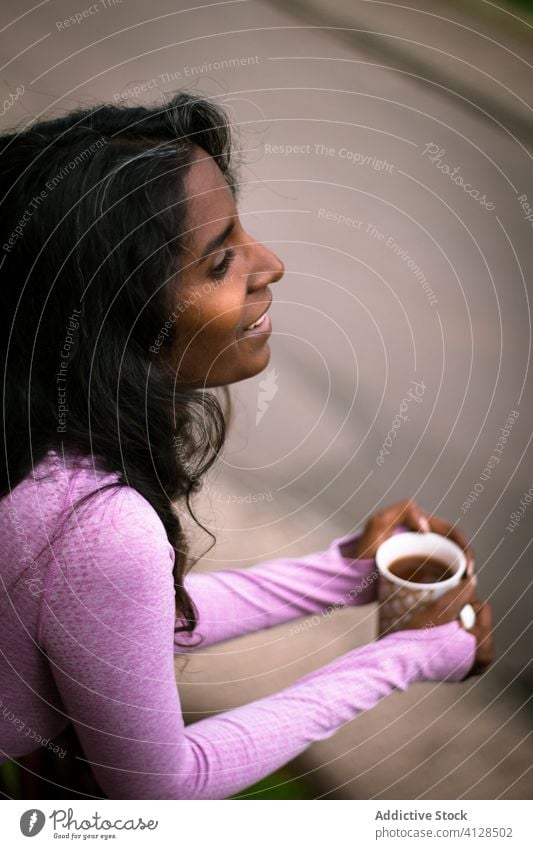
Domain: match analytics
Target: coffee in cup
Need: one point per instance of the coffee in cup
(420, 569)
(414, 570)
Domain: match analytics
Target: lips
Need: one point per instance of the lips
(260, 316)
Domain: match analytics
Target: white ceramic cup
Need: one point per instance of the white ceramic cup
(400, 599)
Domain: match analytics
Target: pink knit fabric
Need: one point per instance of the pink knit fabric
(87, 636)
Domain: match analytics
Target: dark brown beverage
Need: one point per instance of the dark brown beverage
(421, 569)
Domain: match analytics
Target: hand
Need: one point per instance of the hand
(447, 608)
(382, 525)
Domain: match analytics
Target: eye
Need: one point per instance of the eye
(220, 270)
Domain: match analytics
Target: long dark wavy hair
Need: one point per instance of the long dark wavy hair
(93, 215)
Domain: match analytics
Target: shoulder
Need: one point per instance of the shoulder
(69, 502)
(112, 558)
(101, 519)
(108, 514)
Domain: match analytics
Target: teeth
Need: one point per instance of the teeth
(258, 322)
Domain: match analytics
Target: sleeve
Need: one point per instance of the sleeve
(233, 602)
(107, 628)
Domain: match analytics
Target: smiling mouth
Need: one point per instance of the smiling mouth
(261, 320)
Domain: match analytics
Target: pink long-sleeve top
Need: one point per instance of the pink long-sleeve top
(87, 636)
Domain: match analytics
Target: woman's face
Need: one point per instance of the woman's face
(222, 289)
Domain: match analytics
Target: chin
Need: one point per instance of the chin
(252, 366)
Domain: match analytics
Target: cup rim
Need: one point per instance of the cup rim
(438, 538)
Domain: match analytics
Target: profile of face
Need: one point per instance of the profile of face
(222, 288)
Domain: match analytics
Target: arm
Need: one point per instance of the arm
(233, 602)
(107, 626)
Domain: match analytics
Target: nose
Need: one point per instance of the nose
(267, 267)
(279, 269)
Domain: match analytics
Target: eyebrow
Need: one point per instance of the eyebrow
(217, 240)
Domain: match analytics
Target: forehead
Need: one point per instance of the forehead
(209, 198)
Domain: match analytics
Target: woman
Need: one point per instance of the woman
(129, 288)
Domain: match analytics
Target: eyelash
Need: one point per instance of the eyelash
(220, 270)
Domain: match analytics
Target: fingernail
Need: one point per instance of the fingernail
(424, 525)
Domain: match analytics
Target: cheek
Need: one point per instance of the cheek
(214, 317)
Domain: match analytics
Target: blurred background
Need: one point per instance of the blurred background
(388, 160)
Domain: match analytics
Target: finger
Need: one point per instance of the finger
(452, 602)
(415, 517)
(483, 612)
(384, 522)
(392, 514)
(419, 518)
(469, 572)
(484, 635)
(440, 526)
(406, 513)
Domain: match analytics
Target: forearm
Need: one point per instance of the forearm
(246, 744)
(233, 602)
